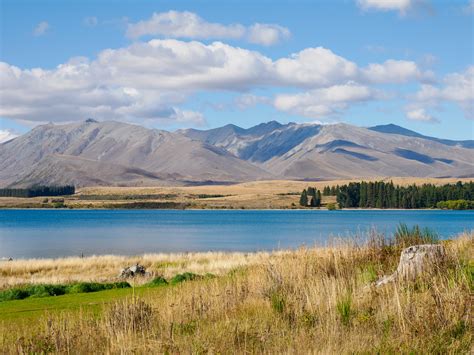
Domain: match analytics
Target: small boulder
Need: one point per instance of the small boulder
(132, 271)
(414, 261)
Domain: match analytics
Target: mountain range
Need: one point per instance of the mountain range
(113, 153)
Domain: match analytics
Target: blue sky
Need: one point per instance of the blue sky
(207, 63)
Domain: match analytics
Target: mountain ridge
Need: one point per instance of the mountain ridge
(114, 153)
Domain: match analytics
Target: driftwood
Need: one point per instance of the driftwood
(414, 261)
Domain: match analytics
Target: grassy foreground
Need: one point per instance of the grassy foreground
(311, 300)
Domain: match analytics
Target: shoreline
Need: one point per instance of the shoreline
(225, 209)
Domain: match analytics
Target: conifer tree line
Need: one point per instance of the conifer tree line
(310, 197)
(38, 191)
(387, 195)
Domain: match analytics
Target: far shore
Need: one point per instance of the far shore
(256, 195)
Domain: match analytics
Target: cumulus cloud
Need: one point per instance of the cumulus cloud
(315, 67)
(420, 114)
(41, 28)
(175, 24)
(401, 6)
(324, 102)
(457, 88)
(151, 80)
(396, 71)
(267, 34)
(6, 135)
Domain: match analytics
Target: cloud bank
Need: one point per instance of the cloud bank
(175, 24)
(150, 80)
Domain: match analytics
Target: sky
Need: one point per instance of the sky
(204, 64)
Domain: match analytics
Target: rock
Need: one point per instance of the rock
(132, 271)
(414, 261)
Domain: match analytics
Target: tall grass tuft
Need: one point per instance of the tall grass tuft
(405, 236)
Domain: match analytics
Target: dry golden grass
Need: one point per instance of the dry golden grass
(272, 194)
(303, 301)
(107, 267)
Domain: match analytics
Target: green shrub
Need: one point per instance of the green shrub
(455, 205)
(13, 294)
(187, 276)
(46, 290)
(157, 281)
(331, 206)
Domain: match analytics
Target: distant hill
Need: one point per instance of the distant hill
(394, 129)
(103, 153)
(113, 153)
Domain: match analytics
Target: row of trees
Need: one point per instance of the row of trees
(386, 195)
(311, 197)
(38, 191)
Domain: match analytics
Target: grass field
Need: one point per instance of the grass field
(280, 194)
(303, 301)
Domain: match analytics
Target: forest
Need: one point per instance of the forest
(380, 194)
(38, 191)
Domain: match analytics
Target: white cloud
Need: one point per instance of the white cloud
(420, 114)
(183, 25)
(6, 135)
(401, 6)
(267, 34)
(395, 71)
(41, 28)
(457, 88)
(315, 67)
(324, 102)
(90, 21)
(150, 80)
(175, 24)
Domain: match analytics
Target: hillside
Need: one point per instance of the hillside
(113, 153)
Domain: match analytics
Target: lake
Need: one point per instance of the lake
(57, 233)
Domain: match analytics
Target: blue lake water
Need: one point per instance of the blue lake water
(57, 233)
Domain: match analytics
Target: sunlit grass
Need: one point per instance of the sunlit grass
(311, 300)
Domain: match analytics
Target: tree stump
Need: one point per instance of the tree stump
(414, 261)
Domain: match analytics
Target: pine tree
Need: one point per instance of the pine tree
(318, 198)
(304, 199)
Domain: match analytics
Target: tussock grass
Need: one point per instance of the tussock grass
(311, 300)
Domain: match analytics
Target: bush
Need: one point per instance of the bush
(331, 206)
(187, 276)
(13, 294)
(455, 205)
(46, 290)
(157, 281)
